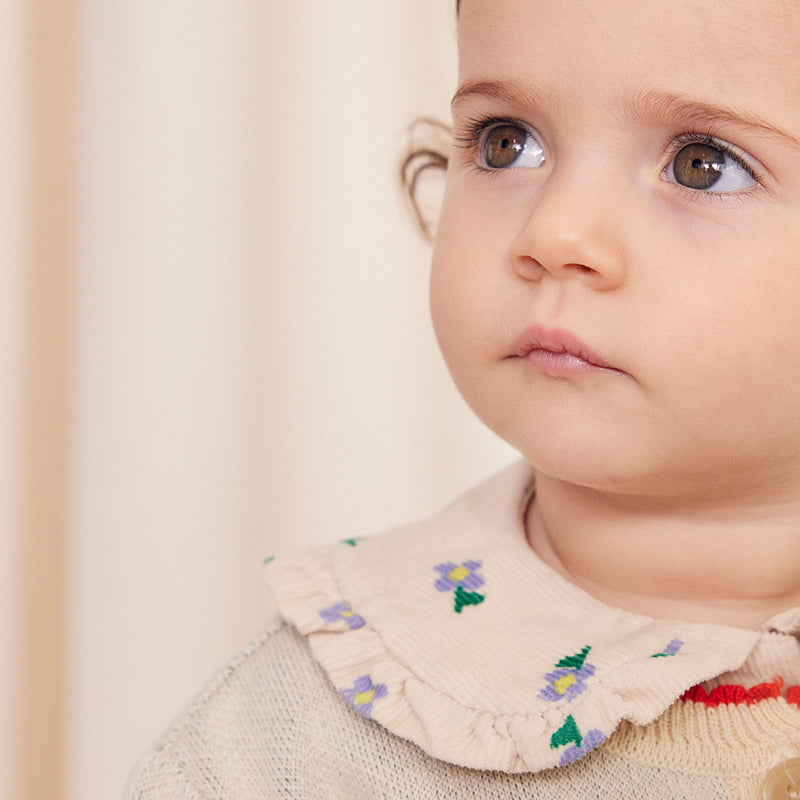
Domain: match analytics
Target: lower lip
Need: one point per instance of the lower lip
(562, 365)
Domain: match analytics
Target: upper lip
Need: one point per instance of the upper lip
(556, 341)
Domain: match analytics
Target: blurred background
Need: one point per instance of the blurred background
(214, 343)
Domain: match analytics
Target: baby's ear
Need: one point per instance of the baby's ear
(422, 171)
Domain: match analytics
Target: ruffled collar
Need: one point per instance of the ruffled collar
(453, 634)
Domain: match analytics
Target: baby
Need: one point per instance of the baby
(616, 291)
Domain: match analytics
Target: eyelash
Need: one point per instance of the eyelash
(733, 152)
(469, 137)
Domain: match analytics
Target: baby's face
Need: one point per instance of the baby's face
(616, 277)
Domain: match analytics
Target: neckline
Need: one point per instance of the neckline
(488, 678)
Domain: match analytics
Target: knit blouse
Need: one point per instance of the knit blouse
(445, 659)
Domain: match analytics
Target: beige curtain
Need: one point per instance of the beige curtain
(215, 342)
(36, 348)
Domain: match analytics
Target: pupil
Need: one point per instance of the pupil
(505, 144)
(697, 163)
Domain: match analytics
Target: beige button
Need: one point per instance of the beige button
(783, 782)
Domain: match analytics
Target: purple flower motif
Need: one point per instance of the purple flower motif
(566, 684)
(339, 612)
(594, 738)
(569, 734)
(363, 693)
(672, 649)
(569, 677)
(454, 576)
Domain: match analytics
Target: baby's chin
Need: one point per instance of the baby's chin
(583, 461)
(630, 480)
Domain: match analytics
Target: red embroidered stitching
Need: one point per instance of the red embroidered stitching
(793, 695)
(738, 695)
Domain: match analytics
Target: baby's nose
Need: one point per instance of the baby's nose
(571, 233)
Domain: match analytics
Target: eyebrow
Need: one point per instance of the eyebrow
(647, 105)
(664, 106)
(512, 91)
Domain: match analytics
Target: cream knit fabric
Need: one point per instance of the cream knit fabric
(484, 674)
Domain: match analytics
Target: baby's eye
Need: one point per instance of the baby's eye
(710, 166)
(507, 146)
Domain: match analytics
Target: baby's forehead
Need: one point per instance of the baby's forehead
(724, 47)
(756, 20)
(727, 7)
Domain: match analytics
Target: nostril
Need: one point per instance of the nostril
(584, 270)
(529, 268)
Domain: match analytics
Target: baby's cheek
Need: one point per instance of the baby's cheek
(450, 297)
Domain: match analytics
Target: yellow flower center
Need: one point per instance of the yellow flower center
(362, 698)
(458, 574)
(562, 684)
(348, 613)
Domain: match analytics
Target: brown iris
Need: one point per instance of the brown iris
(503, 146)
(698, 165)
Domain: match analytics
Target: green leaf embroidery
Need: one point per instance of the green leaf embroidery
(465, 598)
(568, 733)
(574, 662)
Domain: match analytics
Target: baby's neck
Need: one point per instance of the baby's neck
(736, 566)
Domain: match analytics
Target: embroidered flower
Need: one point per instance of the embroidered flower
(461, 579)
(672, 649)
(594, 738)
(569, 733)
(569, 678)
(339, 612)
(566, 683)
(363, 693)
(464, 575)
